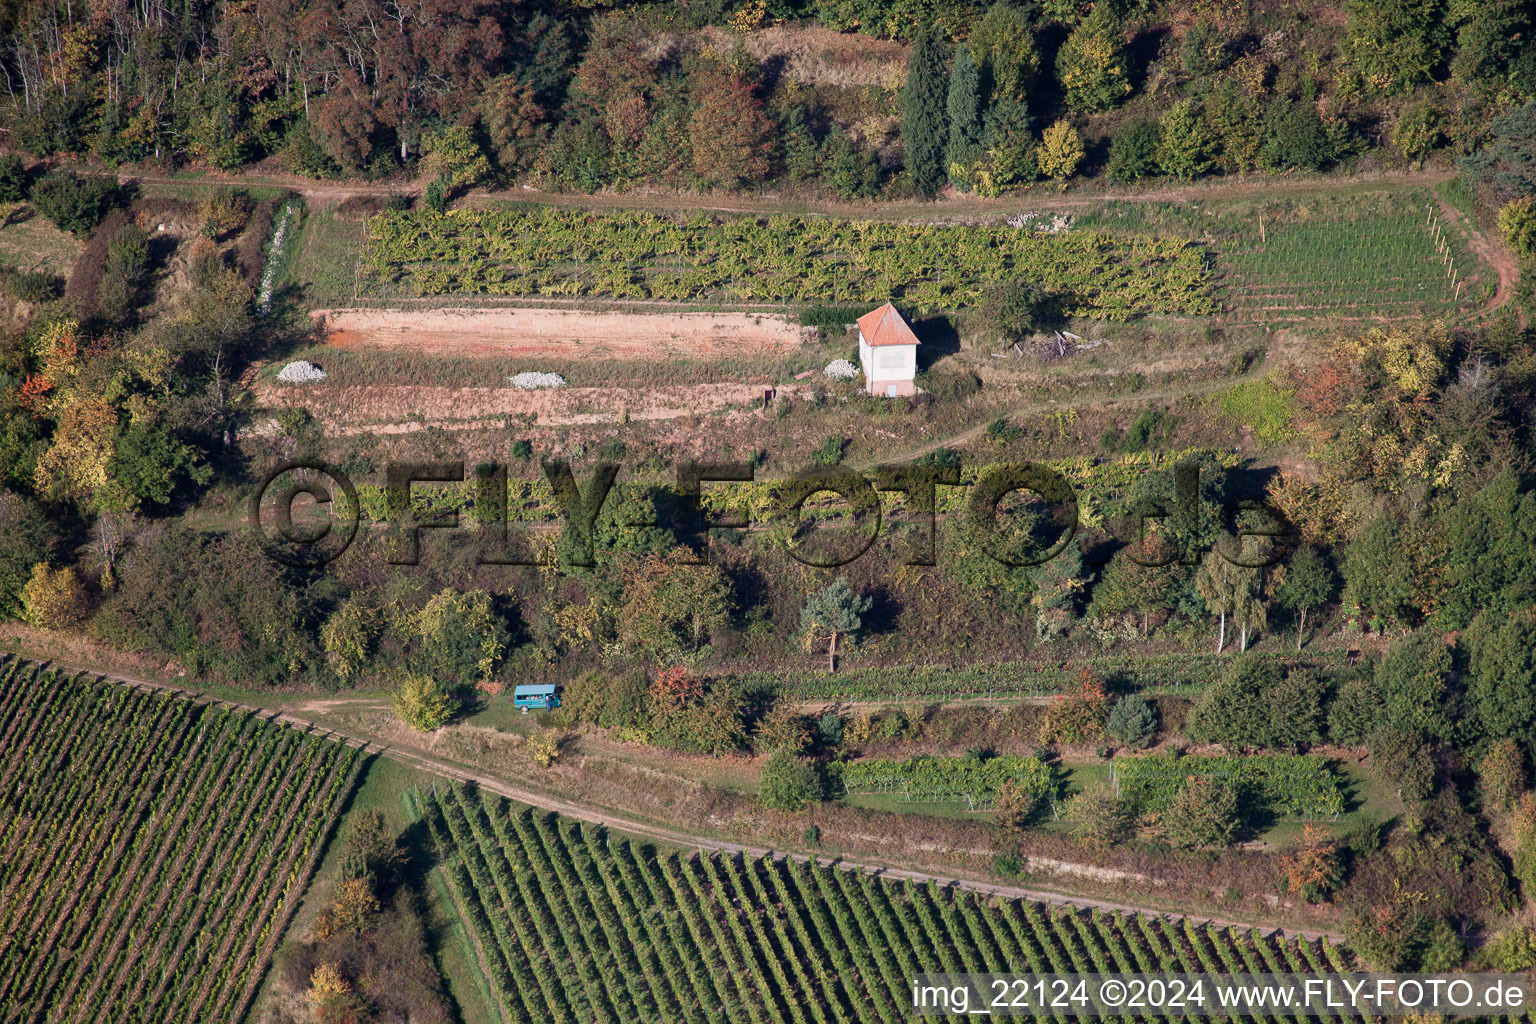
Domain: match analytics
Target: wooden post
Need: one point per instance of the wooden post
(1262, 237)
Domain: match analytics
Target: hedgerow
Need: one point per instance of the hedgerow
(945, 778)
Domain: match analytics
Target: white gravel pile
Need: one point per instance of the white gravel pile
(531, 381)
(840, 369)
(300, 371)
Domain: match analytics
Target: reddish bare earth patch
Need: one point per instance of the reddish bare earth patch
(560, 332)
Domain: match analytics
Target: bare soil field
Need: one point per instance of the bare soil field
(384, 409)
(559, 332)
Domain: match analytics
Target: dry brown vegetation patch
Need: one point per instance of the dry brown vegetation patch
(402, 409)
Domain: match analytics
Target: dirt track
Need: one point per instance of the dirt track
(423, 762)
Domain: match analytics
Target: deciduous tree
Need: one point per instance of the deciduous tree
(1091, 64)
(1061, 150)
(1098, 816)
(1186, 149)
(733, 140)
(54, 598)
(1003, 44)
(1231, 590)
(788, 782)
(423, 703)
(1308, 583)
(1203, 813)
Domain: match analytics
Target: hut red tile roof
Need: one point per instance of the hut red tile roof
(885, 326)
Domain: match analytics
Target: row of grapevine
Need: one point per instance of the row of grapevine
(945, 778)
(635, 254)
(572, 925)
(152, 847)
(1289, 785)
(1393, 264)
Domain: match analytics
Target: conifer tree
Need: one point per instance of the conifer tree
(964, 108)
(923, 133)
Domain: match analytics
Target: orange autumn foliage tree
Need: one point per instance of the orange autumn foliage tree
(674, 689)
(1077, 715)
(1312, 871)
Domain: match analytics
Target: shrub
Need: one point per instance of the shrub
(1514, 950)
(1077, 716)
(436, 195)
(1517, 223)
(224, 211)
(1098, 816)
(1132, 721)
(544, 748)
(54, 598)
(831, 451)
(13, 179)
(1203, 813)
(830, 320)
(1263, 405)
(29, 285)
(1314, 870)
(1011, 309)
(1150, 429)
(125, 272)
(784, 728)
(1133, 151)
(424, 703)
(1501, 773)
(788, 782)
(73, 203)
(348, 636)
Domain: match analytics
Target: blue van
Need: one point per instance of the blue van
(539, 697)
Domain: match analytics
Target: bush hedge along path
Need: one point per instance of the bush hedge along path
(644, 830)
(152, 848)
(578, 925)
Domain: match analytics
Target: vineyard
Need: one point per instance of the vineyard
(151, 848)
(1291, 786)
(1010, 679)
(548, 251)
(571, 925)
(1396, 265)
(973, 779)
